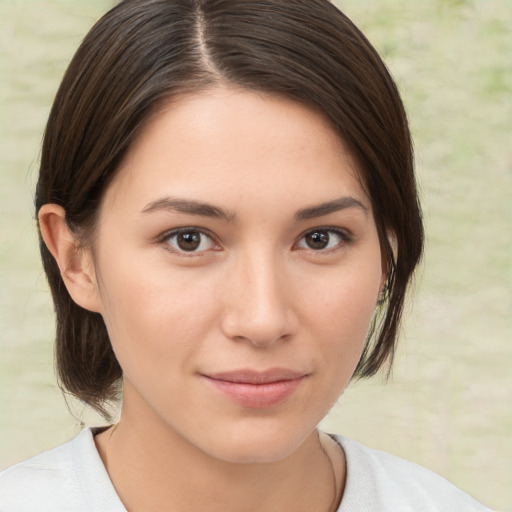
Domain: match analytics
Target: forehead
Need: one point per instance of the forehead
(237, 146)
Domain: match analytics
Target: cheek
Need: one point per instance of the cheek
(347, 296)
(340, 312)
(153, 314)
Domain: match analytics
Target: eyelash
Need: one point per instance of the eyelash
(165, 240)
(344, 238)
(342, 235)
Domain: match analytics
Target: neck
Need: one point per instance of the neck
(154, 468)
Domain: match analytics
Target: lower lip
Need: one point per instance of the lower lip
(256, 396)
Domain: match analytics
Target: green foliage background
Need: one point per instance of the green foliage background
(448, 403)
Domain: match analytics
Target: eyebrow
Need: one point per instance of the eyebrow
(192, 207)
(188, 206)
(336, 205)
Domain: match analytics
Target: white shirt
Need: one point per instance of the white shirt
(72, 477)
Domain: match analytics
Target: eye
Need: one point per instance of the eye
(323, 239)
(188, 240)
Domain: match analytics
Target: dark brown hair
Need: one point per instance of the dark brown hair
(143, 53)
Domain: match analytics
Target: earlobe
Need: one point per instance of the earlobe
(75, 264)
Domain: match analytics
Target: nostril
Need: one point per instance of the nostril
(259, 328)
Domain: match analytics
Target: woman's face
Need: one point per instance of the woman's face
(238, 267)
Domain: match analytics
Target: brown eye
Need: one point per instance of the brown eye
(321, 239)
(317, 239)
(189, 240)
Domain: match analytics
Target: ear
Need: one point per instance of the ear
(75, 264)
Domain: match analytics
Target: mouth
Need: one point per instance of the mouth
(256, 389)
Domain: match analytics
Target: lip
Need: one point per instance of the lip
(256, 389)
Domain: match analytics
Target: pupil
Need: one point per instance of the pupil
(317, 239)
(189, 241)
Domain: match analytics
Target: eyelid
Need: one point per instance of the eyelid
(163, 239)
(345, 236)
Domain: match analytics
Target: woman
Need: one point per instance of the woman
(229, 221)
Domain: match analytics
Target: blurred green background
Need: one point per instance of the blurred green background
(448, 404)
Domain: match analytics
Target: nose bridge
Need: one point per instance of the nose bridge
(258, 309)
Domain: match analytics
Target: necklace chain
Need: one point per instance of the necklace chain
(334, 502)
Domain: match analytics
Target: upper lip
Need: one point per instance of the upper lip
(250, 376)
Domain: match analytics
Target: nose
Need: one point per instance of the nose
(256, 302)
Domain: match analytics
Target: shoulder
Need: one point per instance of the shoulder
(49, 476)
(59, 480)
(382, 482)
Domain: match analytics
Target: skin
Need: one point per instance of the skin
(255, 295)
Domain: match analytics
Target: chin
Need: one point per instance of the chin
(252, 453)
(259, 443)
